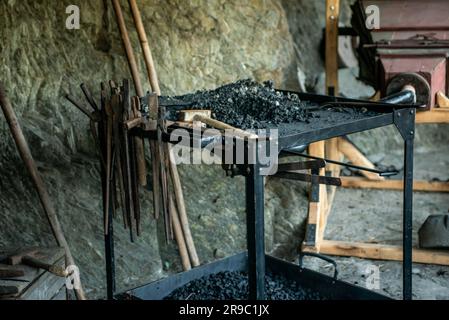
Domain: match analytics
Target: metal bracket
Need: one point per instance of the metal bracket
(319, 256)
(404, 120)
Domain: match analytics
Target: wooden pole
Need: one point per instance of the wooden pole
(182, 209)
(128, 48)
(179, 237)
(141, 166)
(152, 75)
(39, 184)
(332, 15)
(149, 62)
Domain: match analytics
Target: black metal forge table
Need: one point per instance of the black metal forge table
(329, 124)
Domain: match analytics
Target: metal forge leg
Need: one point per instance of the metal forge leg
(405, 123)
(108, 238)
(255, 232)
(110, 258)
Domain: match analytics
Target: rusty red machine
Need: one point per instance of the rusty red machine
(407, 48)
(408, 45)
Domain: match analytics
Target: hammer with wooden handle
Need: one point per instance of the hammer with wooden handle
(27, 258)
(54, 269)
(224, 126)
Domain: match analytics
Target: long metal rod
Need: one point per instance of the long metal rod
(405, 123)
(381, 173)
(110, 257)
(408, 219)
(332, 181)
(255, 233)
(107, 203)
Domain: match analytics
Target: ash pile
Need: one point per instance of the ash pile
(247, 104)
(234, 286)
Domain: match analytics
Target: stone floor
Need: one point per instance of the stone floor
(375, 216)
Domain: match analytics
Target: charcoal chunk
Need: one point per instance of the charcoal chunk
(248, 105)
(234, 286)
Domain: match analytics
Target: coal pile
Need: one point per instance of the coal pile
(249, 105)
(234, 286)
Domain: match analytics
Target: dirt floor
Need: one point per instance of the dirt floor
(375, 216)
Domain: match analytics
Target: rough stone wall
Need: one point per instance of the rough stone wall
(196, 45)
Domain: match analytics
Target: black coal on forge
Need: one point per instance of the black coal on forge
(227, 279)
(300, 119)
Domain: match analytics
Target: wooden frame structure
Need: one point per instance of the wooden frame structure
(336, 149)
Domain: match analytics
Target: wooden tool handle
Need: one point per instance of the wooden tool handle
(224, 126)
(182, 208)
(56, 270)
(179, 237)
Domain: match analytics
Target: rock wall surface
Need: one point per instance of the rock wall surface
(196, 45)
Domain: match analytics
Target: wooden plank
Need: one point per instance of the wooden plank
(333, 153)
(331, 54)
(318, 212)
(61, 295)
(357, 158)
(47, 255)
(381, 252)
(442, 100)
(436, 115)
(313, 220)
(364, 183)
(323, 221)
(45, 287)
(316, 209)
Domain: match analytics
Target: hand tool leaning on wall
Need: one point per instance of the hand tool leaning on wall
(39, 184)
(110, 124)
(116, 151)
(119, 154)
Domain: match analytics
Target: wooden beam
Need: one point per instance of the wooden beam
(356, 157)
(332, 152)
(332, 14)
(313, 221)
(381, 252)
(428, 186)
(317, 210)
(317, 149)
(442, 100)
(436, 115)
